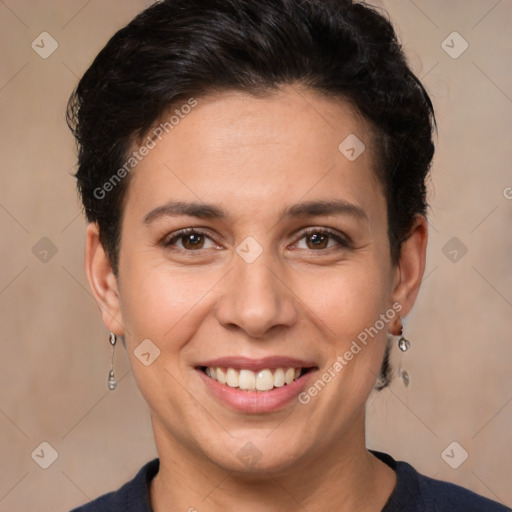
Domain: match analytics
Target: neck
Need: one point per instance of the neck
(345, 474)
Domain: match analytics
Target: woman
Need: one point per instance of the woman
(253, 174)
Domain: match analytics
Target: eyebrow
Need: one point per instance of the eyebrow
(211, 211)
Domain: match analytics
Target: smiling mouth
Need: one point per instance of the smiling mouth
(246, 380)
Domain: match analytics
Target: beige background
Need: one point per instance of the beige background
(54, 352)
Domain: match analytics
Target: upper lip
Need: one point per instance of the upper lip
(247, 363)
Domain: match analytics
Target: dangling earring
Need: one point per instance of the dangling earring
(403, 343)
(112, 381)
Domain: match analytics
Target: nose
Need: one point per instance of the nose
(256, 298)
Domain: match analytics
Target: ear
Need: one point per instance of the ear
(102, 281)
(411, 266)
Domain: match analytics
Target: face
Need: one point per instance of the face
(254, 254)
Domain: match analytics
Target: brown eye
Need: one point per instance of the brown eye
(317, 241)
(192, 241)
(322, 239)
(189, 239)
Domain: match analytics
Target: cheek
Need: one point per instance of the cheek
(348, 299)
(163, 303)
(347, 305)
(165, 306)
(157, 298)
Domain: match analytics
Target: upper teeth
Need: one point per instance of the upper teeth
(262, 380)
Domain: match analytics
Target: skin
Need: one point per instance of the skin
(253, 157)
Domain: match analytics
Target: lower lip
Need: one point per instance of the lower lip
(256, 401)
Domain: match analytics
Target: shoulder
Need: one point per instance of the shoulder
(133, 496)
(445, 496)
(415, 492)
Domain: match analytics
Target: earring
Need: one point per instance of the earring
(112, 381)
(404, 376)
(403, 343)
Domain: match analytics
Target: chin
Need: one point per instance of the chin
(257, 453)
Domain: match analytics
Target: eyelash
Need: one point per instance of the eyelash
(343, 242)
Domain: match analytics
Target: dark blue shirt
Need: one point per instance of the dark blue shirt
(413, 493)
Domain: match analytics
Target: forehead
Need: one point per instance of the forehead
(254, 153)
